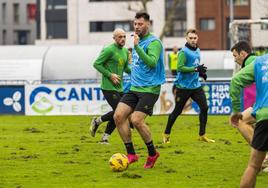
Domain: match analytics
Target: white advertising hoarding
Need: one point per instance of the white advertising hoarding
(65, 100)
(84, 99)
(88, 99)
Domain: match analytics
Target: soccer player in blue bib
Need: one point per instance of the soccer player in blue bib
(147, 75)
(188, 85)
(255, 72)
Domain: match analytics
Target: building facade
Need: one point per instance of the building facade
(259, 10)
(92, 21)
(17, 22)
(212, 21)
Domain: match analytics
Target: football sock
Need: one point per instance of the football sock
(105, 136)
(151, 149)
(130, 148)
(99, 120)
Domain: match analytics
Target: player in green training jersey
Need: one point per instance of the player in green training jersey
(147, 75)
(254, 72)
(111, 63)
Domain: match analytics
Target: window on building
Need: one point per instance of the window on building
(177, 28)
(264, 26)
(21, 37)
(207, 24)
(238, 2)
(16, 14)
(31, 12)
(112, 0)
(4, 12)
(56, 19)
(57, 30)
(56, 4)
(110, 26)
(4, 37)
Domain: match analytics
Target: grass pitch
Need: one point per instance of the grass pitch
(59, 152)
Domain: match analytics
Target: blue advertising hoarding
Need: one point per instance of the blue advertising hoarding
(218, 98)
(12, 100)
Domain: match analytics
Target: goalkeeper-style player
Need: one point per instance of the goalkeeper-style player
(188, 85)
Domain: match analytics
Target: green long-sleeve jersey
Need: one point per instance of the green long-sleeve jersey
(112, 59)
(181, 64)
(241, 79)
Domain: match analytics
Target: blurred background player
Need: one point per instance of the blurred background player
(173, 61)
(188, 85)
(147, 75)
(111, 63)
(254, 72)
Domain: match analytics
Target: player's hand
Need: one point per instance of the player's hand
(115, 79)
(136, 39)
(234, 119)
(203, 75)
(201, 69)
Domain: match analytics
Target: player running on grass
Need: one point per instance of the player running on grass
(147, 75)
(188, 85)
(111, 63)
(97, 121)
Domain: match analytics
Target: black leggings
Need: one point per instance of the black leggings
(113, 98)
(182, 95)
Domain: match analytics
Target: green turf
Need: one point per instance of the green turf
(59, 152)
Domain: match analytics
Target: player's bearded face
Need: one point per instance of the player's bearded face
(141, 27)
(192, 39)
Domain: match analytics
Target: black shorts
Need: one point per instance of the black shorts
(112, 97)
(138, 101)
(198, 95)
(260, 137)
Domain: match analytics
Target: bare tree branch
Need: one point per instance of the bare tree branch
(143, 6)
(170, 16)
(169, 21)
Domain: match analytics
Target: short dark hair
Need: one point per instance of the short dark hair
(191, 31)
(242, 46)
(143, 15)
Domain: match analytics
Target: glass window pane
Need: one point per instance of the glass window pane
(207, 24)
(109, 26)
(56, 30)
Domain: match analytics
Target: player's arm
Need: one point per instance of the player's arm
(99, 64)
(240, 80)
(181, 64)
(150, 58)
